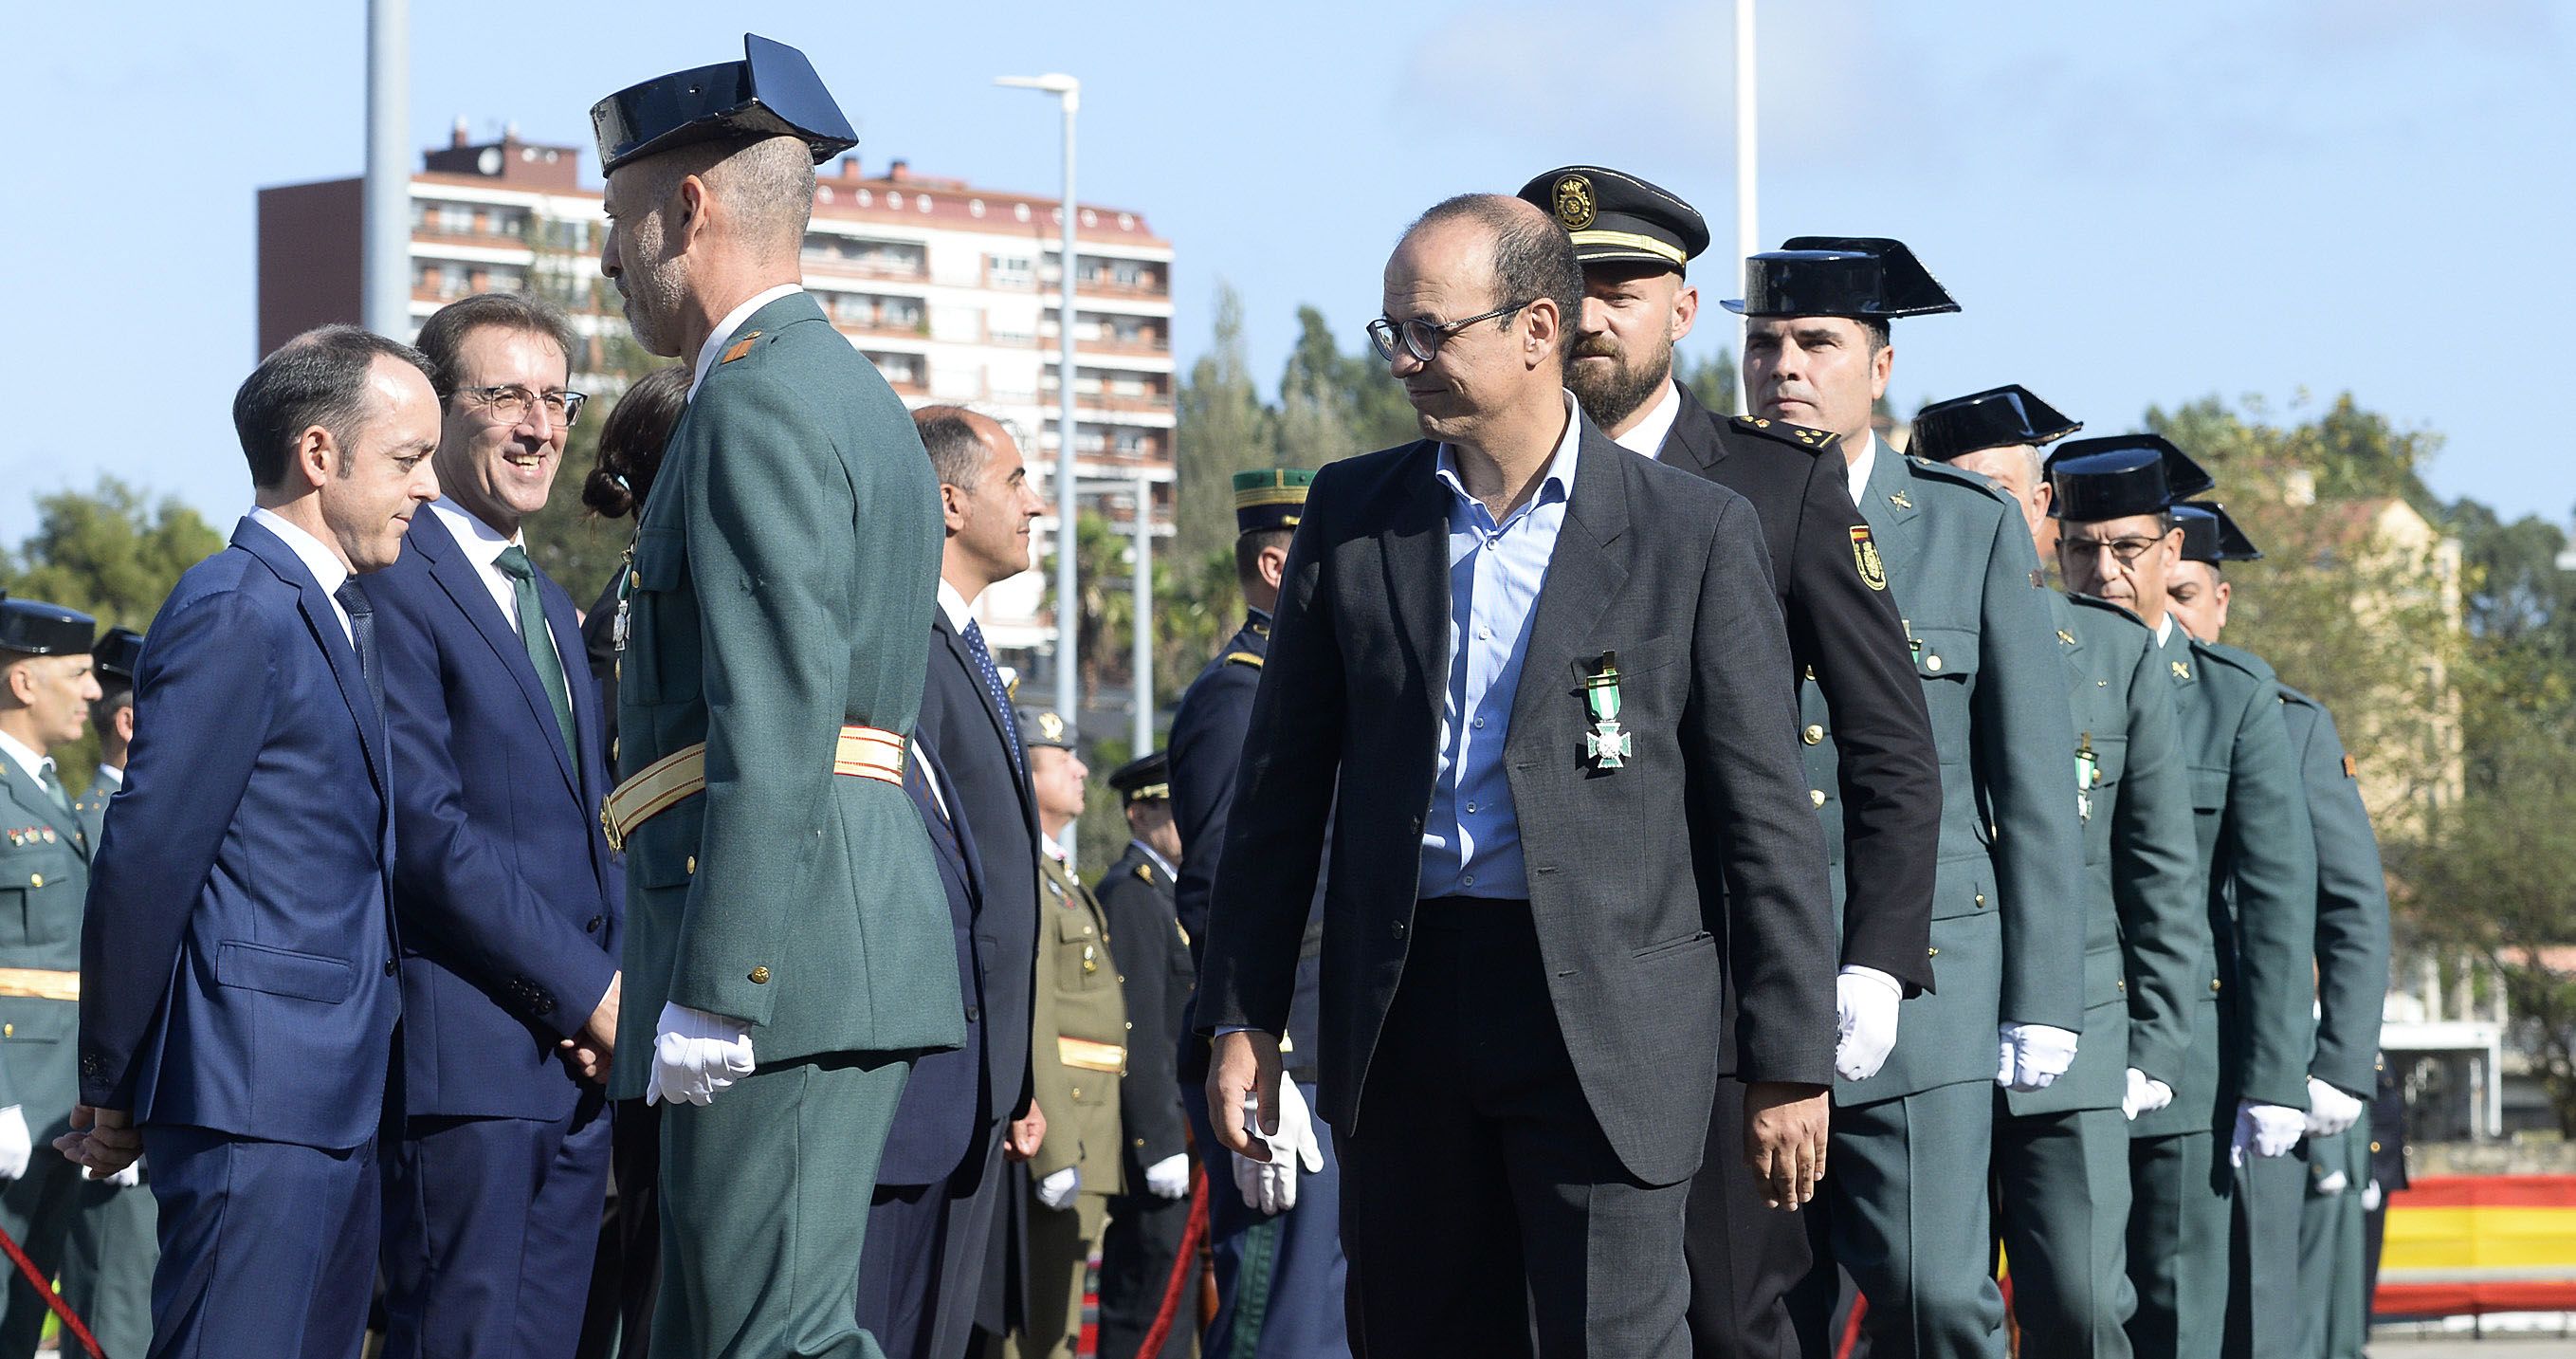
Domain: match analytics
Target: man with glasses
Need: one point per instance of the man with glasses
(1635, 240)
(1547, 686)
(504, 887)
(2061, 1160)
(2243, 1082)
(1906, 1208)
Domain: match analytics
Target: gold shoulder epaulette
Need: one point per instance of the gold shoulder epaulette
(1243, 658)
(740, 347)
(1812, 440)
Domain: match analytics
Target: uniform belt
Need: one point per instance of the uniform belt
(39, 982)
(1090, 1056)
(861, 753)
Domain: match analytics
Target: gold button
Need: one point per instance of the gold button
(1931, 662)
(1812, 734)
(1817, 796)
(36, 880)
(1086, 932)
(2374, 1146)
(1981, 899)
(760, 976)
(1931, 953)
(11, 1031)
(635, 579)
(692, 864)
(1077, 1092)
(2121, 986)
(2213, 986)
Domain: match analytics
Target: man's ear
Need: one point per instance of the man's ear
(1547, 328)
(125, 722)
(1274, 566)
(695, 200)
(952, 508)
(1685, 311)
(315, 460)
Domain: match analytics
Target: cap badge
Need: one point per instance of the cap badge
(1574, 202)
(1873, 573)
(1051, 726)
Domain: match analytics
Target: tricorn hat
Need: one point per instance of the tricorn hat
(1988, 419)
(1869, 276)
(2209, 534)
(2120, 476)
(771, 92)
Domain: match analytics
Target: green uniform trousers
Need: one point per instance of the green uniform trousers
(2178, 1242)
(2335, 1313)
(2264, 1306)
(764, 1210)
(1060, 1245)
(103, 1241)
(2062, 1213)
(1906, 1213)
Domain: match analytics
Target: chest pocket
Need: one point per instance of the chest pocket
(2208, 790)
(2098, 785)
(1081, 953)
(1945, 659)
(40, 895)
(664, 657)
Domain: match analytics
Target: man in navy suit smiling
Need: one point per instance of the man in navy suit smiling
(238, 998)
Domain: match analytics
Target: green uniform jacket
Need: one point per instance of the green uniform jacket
(44, 879)
(784, 573)
(2352, 904)
(2144, 930)
(2005, 946)
(2252, 1031)
(1081, 1012)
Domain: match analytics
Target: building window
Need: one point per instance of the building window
(1010, 271)
(1020, 211)
(901, 370)
(455, 219)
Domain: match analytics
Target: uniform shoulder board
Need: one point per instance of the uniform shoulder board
(2106, 606)
(1243, 658)
(1781, 431)
(2290, 695)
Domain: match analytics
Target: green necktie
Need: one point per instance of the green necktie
(540, 643)
(53, 786)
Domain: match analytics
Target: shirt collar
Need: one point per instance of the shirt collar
(1559, 482)
(481, 541)
(1648, 437)
(325, 566)
(26, 757)
(954, 605)
(1159, 861)
(725, 328)
(112, 776)
(1859, 469)
(2164, 627)
(1053, 850)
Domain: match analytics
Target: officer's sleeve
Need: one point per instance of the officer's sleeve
(205, 698)
(2022, 722)
(1050, 1084)
(2155, 877)
(1140, 944)
(769, 525)
(1283, 797)
(2352, 917)
(1207, 752)
(1744, 763)
(2273, 848)
(1887, 767)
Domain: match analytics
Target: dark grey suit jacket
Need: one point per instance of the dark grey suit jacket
(1670, 572)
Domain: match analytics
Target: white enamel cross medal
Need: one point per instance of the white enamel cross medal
(1605, 745)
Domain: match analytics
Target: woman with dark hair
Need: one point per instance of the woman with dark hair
(628, 1269)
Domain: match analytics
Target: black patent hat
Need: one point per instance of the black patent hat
(1988, 419)
(1144, 779)
(1870, 276)
(2120, 476)
(2209, 534)
(33, 629)
(771, 92)
(117, 653)
(1617, 218)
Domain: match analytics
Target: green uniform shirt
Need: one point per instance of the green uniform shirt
(44, 880)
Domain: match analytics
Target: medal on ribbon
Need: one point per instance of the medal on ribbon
(2088, 776)
(1605, 745)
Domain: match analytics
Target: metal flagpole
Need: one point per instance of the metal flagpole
(1143, 608)
(1748, 239)
(385, 272)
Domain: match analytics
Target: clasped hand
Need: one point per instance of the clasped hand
(696, 1054)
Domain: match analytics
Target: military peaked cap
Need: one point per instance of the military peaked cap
(1616, 217)
(771, 92)
(117, 653)
(1863, 276)
(1270, 498)
(1145, 779)
(1989, 419)
(1046, 727)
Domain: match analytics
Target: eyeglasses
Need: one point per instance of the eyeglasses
(2127, 550)
(1422, 338)
(511, 402)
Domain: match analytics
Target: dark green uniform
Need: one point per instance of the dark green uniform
(784, 574)
(1905, 1201)
(2062, 1154)
(2251, 1033)
(2352, 980)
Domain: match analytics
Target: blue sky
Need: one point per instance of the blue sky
(2136, 204)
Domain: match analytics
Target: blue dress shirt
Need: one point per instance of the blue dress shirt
(1471, 841)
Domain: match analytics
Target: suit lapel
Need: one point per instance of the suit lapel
(1888, 504)
(965, 658)
(1414, 546)
(1693, 437)
(464, 586)
(324, 623)
(1585, 573)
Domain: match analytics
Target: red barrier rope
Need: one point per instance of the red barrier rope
(45, 1289)
(1185, 1266)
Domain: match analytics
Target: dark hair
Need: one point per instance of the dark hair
(1248, 549)
(630, 445)
(957, 448)
(1533, 257)
(317, 378)
(443, 334)
(1874, 330)
(114, 694)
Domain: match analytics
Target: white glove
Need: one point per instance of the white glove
(1865, 1006)
(1271, 1186)
(2333, 1182)
(1169, 1178)
(2330, 1110)
(2146, 1095)
(2032, 1056)
(129, 1177)
(696, 1054)
(2371, 1197)
(1059, 1187)
(16, 1143)
(2270, 1129)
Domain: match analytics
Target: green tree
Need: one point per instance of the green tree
(1222, 428)
(1333, 404)
(1712, 380)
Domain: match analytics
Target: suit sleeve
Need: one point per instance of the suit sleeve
(455, 886)
(1887, 767)
(766, 526)
(1149, 1096)
(205, 699)
(2352, 918)
(1737, 734)
(1283, 797)
(2022, 720)
(2273, 850)
(2155, 876)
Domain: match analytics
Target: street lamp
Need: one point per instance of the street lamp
(1747, 241)
(1068, 605)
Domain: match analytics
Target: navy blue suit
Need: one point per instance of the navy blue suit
(931, 1219)
(509, 905)
(237, 960)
